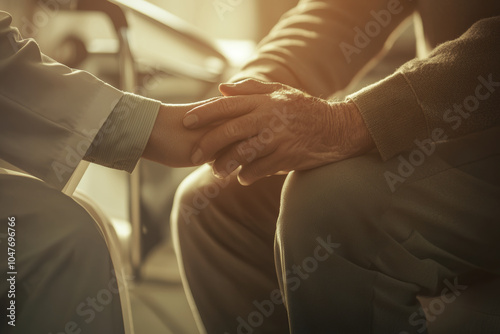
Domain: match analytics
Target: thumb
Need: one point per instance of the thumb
(249, 87)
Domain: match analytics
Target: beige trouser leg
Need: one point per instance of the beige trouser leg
(351, 255)
(227, 242)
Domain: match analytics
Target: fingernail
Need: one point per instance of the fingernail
(243, 182)
(190, 120)
(219, 175)
(226, 86)
(197, 157)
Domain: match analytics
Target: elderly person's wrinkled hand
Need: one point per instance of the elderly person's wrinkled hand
(271, 128)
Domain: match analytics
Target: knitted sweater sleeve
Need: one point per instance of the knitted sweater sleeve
(455, 91)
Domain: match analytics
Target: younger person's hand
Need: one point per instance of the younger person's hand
(170, 143)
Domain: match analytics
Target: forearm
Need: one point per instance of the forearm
(53, 116)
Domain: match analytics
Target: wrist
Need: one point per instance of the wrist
(154, 148)
(359, 135)
(348, 132)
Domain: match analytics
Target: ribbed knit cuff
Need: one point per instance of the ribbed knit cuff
(122, 138)
(392, 113)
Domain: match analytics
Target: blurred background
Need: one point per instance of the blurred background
(176, 52)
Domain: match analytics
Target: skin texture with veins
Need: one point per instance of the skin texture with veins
(270, 128)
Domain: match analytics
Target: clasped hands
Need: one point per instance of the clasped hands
(264, 128)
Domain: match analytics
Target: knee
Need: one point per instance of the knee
(205, 207)
(51, 223)
(84, 238)
(201, 200)
(339, 199)
(77, 235)
(196, 196)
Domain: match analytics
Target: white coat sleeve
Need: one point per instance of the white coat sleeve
(49, 113)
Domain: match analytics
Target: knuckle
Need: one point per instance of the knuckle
(225, 105)
(241, 148)
(240, 152)
(230, 130)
